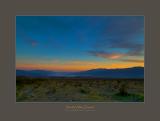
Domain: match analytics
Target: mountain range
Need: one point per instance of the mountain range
(134, 72)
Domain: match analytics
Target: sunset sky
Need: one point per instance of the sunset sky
(76, 43)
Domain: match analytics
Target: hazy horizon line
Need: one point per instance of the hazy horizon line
(76, 70)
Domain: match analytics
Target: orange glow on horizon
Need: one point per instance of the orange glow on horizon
(77, 66)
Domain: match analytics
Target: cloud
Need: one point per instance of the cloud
(27, 39)
(32, 42)
(117, 55)
(123, 33)
(107, 55)
(47, 42)
(133, 49)
(133, 60)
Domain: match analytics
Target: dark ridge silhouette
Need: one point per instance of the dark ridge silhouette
(134, 72)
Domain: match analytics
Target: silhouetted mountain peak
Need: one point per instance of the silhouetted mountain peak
(133, 72)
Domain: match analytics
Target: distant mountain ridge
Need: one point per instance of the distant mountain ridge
(134, 72)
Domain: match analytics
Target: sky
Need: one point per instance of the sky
(77, 43)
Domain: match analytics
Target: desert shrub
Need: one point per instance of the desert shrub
(78, 84)
(123, 89)
(84, 91)
(90, 84)
(50, 93)
(51, 90)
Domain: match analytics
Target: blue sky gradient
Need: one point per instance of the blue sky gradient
(99, 39)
